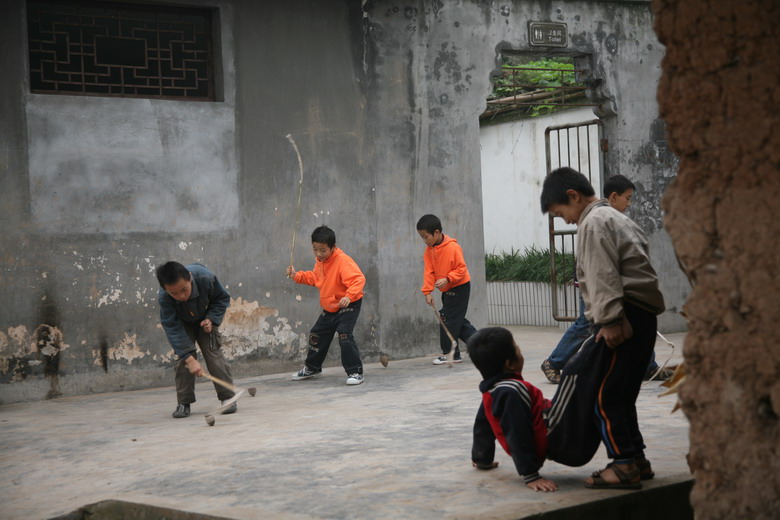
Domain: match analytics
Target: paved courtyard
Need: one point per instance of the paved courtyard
(397, 446)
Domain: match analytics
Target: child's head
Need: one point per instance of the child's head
(429, 229)
(618, 190)
(323, 240)
(494, 352)
(175, 279)
(566, 193)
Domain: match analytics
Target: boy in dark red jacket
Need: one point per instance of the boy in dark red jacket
(445, 270)
(512, 409)
(341, 283)
(529, 427)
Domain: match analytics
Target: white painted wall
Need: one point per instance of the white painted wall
(513, 169)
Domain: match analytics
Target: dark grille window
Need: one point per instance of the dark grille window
(102, 48)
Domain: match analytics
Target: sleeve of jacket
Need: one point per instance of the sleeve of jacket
(219, 301)
(171, 324)
(515, 418)
(429, 276)
(305, 277)
(483, 448)
(354, 280)
(601, 269)
(459, 269)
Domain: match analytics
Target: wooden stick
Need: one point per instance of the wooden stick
(300, 189)
(451, 353)
(221, 382)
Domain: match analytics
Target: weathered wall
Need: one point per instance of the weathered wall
(719, 96)
(382, 99)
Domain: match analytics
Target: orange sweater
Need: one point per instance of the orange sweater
(336, 277)
(444, 261)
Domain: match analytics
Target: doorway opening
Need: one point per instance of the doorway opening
(522, 137)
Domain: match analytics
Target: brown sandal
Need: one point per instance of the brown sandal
(625, 479)
(645, 470)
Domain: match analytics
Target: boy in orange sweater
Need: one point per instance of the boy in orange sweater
(445, 270)
(341, 283)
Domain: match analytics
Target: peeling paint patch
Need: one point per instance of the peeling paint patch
(253, 329)
(110, 298)
(245, 313)
(183, 246)
(49, 342)
(21, 352)
(126, 350)
(298, 297)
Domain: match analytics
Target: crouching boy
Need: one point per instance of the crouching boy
(511, 411)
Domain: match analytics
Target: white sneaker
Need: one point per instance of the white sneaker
(442, 360)
(305, 373)
(355, 379)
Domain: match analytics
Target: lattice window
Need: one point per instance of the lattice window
(128, 50)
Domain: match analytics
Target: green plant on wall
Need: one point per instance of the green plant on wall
(530, 265)
(522, 76)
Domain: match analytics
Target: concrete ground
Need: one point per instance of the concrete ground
(397, 446)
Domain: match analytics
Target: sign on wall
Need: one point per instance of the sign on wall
(547, 34)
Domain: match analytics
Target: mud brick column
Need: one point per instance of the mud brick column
(720, 97)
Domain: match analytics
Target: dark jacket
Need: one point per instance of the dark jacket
(208, 300)
(511, 413)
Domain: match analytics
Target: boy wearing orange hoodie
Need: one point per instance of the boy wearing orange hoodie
(445, 270)
(341, 283)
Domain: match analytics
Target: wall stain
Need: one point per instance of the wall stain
(126, 349)
(255, 331)
(104, 353)
(48, 340)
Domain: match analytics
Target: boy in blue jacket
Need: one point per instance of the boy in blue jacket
(192, 307)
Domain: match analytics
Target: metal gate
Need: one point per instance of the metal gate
(580, 146)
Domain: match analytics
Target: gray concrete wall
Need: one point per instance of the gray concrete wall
(382, 100)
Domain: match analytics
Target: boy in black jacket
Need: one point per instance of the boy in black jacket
(529, 427)
(511, 411)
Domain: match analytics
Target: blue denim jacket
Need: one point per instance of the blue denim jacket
(208, 300)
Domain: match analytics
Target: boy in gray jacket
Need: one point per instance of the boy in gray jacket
(192, 306)
(622, 300)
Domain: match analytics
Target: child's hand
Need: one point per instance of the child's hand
(616, 334)
(441, 282)
(429, 299)
(194, 366)
(485, 467)
(290, 271)
(543, 484)
(344, 302)
(206, 325)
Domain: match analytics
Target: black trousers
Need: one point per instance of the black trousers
(327, 325)
(454, 304)
(596, 398)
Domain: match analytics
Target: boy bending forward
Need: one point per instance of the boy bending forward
(445, 270)
(620, 289)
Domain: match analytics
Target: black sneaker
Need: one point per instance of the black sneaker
(552, 374)
(305, 373)
(232, 409)
(182, 411)
(442, 360)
